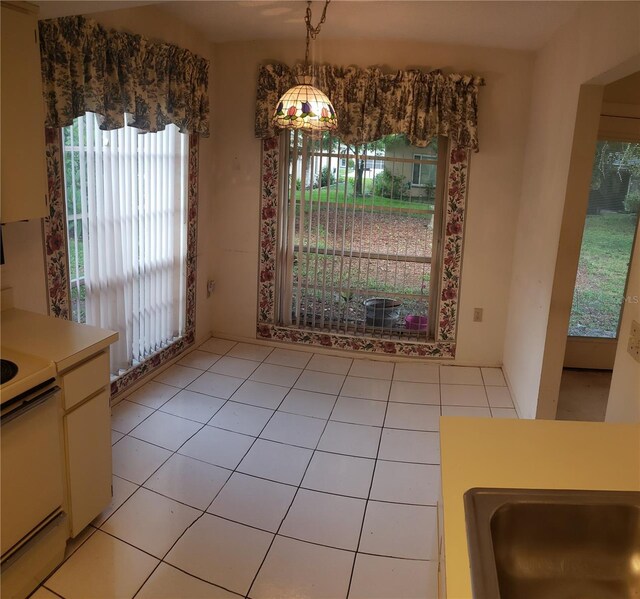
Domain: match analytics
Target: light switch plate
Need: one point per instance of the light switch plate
(634, 341)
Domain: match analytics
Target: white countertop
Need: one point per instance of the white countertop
(525, 454)
(60, 341)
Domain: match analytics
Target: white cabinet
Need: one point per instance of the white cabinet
(87, 433)
(88, 460)
(23, 178)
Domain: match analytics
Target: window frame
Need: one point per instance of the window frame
(448, 257)
(57, 259)
(421, 159)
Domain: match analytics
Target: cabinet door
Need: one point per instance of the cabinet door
(23, 152)
(88, 440)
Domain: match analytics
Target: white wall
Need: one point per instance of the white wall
(624, 393)
(600, 39)
(24, 268)
(494, 185)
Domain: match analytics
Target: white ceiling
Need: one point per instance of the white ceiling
(50, 9)
(521, 25)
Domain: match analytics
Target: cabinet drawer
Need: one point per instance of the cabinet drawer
(85, 380)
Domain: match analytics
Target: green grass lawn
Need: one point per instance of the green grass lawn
(338, 196)
(602, 274)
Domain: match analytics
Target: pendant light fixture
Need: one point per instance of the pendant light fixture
(305, 107)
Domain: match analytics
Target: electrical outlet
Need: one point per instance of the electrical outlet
(477, 315)
(634, 341)
(211, 285)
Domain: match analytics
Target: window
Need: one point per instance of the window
(607, 241)
(126, 223)
(444, 265)
(424, 169)
(358, 244)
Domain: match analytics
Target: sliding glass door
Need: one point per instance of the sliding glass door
(609, 231)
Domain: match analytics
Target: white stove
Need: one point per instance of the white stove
(34, 525)
(32, 371)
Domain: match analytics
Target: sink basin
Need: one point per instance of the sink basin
(556, 544)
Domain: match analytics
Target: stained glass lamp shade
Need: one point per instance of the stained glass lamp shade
(307, 108)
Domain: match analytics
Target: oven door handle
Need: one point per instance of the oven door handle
(28, 405)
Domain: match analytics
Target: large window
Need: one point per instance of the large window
(434, 246)
(126, 223)
(360, 227)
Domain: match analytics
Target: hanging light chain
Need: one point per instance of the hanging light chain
(303, 106)
(312, 32)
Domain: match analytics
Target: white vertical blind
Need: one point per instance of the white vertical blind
(361, 229)
(132, 192)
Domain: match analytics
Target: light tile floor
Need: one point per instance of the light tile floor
(247, 471)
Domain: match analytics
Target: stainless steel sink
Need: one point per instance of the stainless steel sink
(539, 544)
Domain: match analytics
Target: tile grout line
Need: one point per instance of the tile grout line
(356, 553)
(141, 485)
(255, 438)
(176, 451)
(127, 398)
(366, 505)
(160, 561)
(158, 408)
(48, 589)
(349, 455)
(323, 492)
(403, 403)
(299, 486)
(204, 512)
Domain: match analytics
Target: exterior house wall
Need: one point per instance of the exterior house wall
(406, 171)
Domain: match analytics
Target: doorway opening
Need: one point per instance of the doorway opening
(603, 269)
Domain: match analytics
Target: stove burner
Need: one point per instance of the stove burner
(8, 371)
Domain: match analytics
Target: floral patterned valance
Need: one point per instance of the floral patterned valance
(371, 104)
(87, 68)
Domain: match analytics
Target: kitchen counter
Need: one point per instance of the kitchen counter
(56, 449)
(545, 454)
(64, 342)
